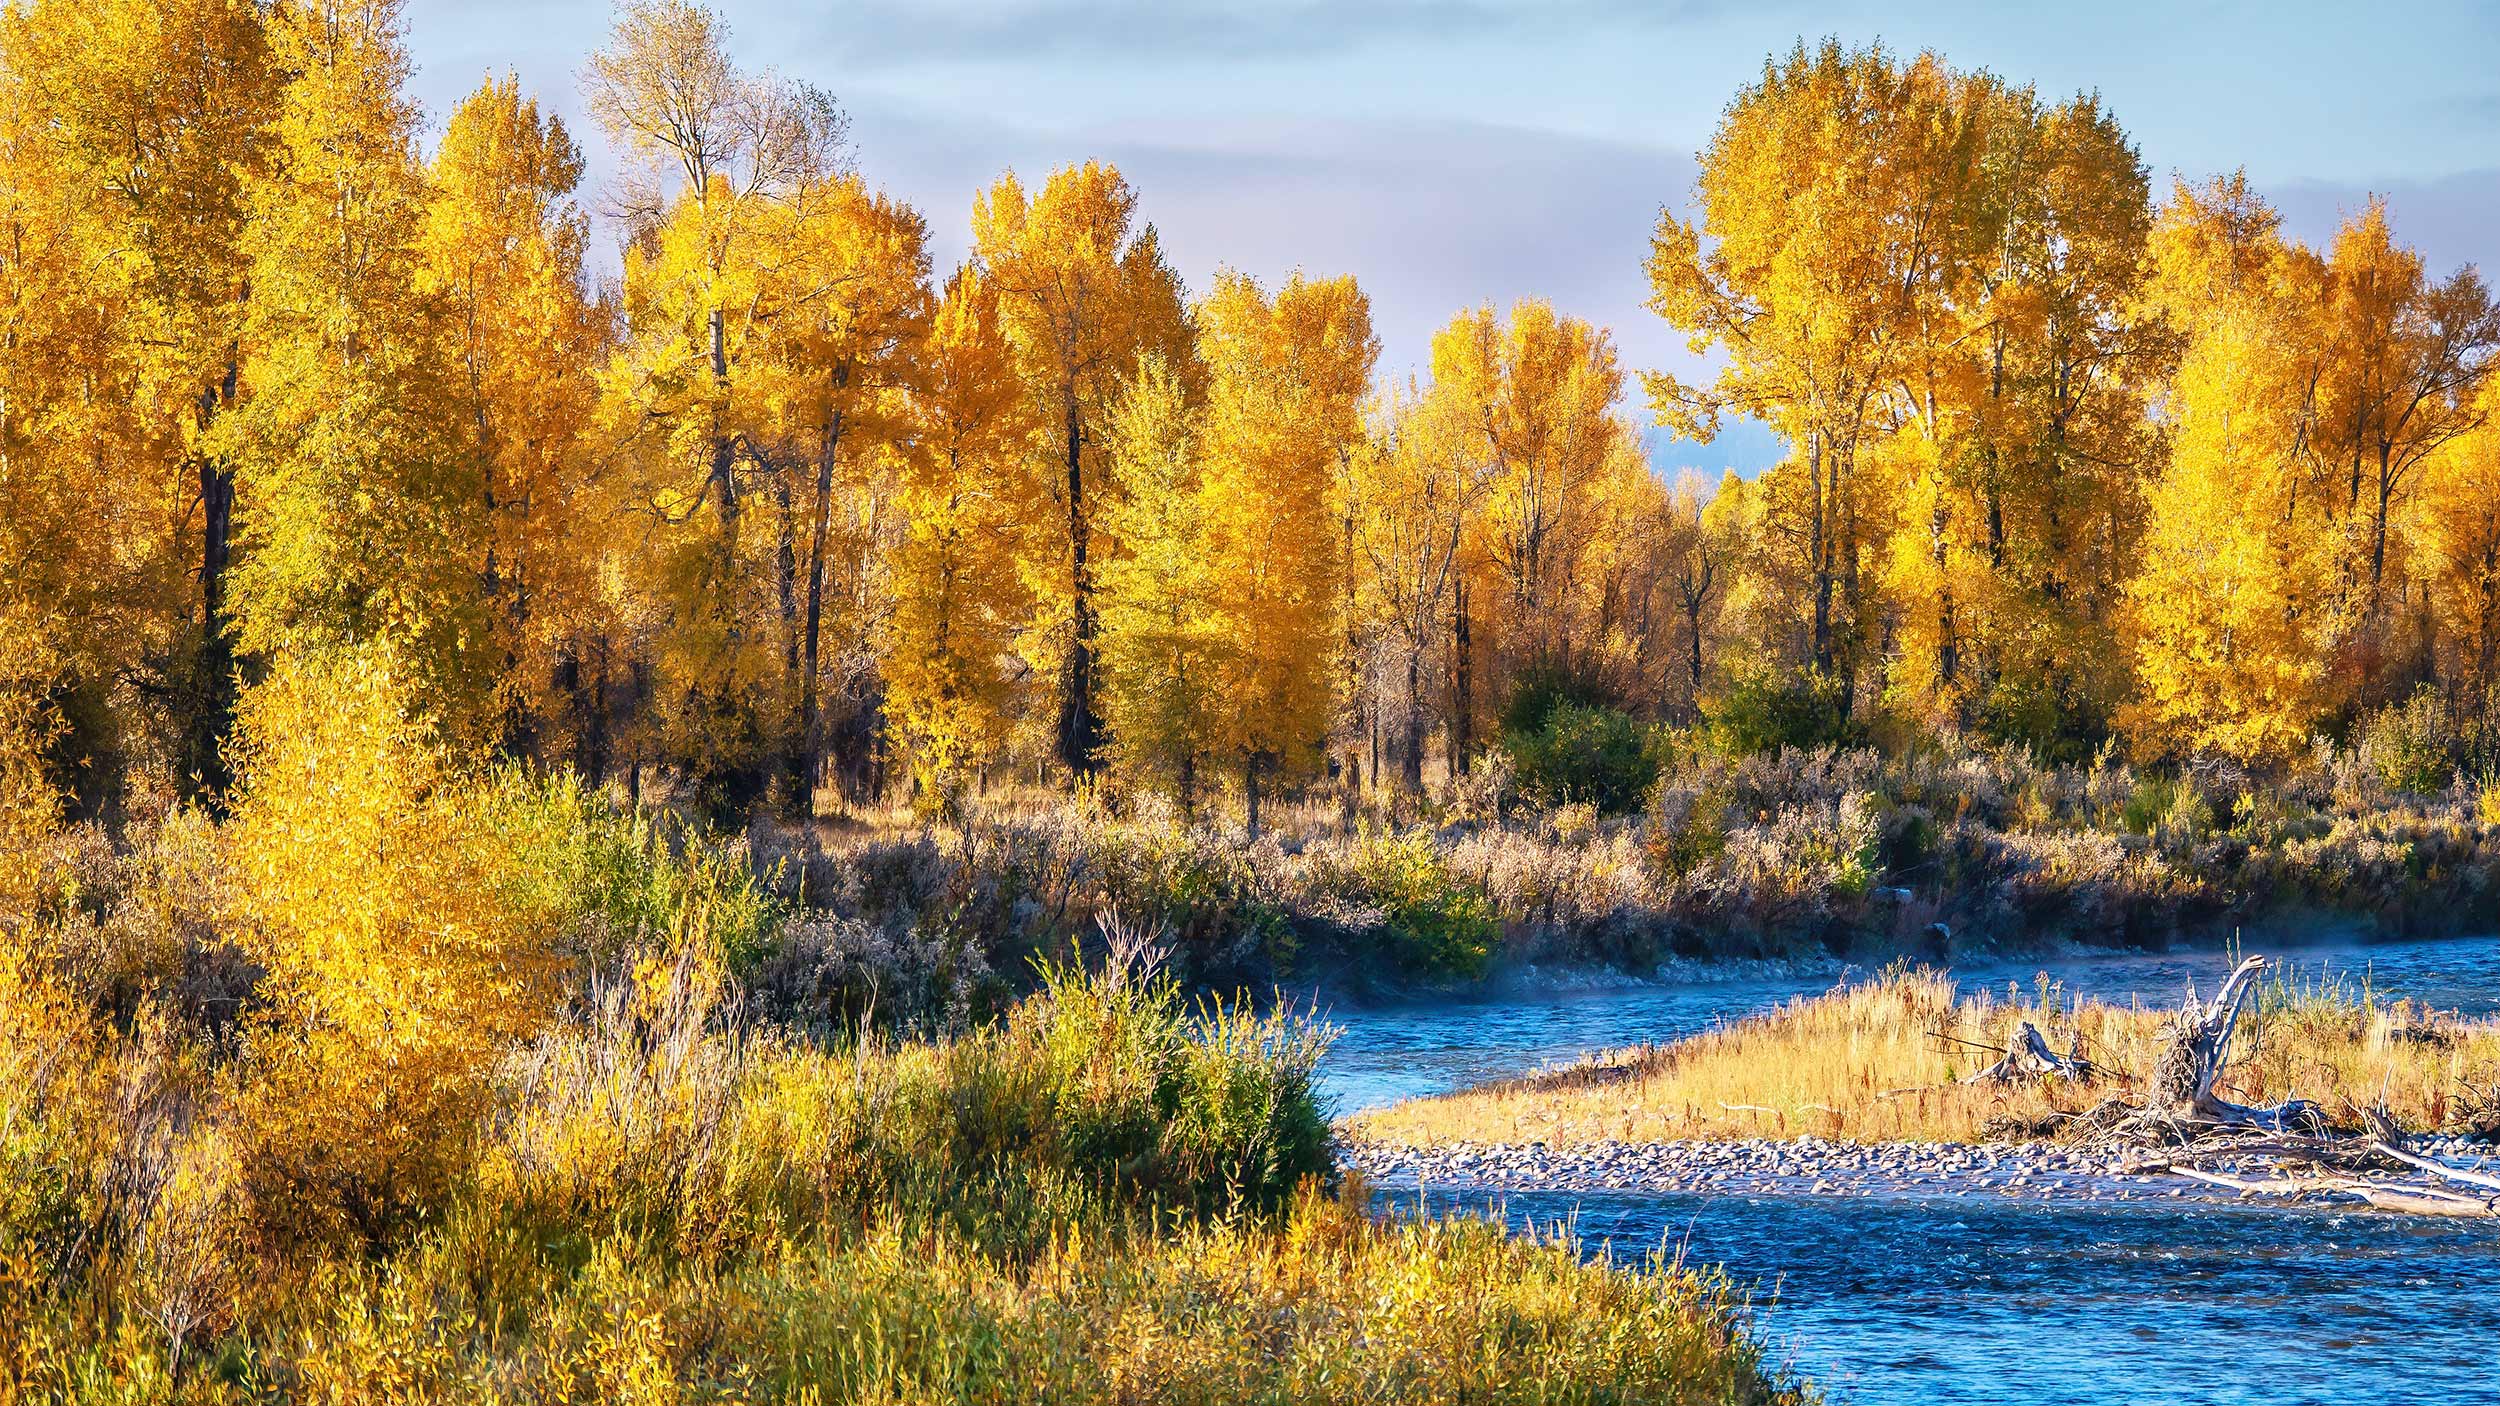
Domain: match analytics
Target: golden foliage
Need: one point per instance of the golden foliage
(959, 596)
(406, 942)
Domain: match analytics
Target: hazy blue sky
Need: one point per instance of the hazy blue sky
(1450, 152)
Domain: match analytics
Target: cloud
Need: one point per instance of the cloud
(2452, 219)
(1022, 30)
(1432, 216)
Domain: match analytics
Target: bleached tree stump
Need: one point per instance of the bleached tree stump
(2200, 1046)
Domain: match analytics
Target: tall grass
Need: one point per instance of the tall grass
(1323, 1305)
(1880, 1060)
(1115, 1192)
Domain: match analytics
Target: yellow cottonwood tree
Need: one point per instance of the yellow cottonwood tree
(2461, 506)
(1827, 202)
(1085, 294)
(503, 253)
(2037, 366)
(1166, 651)
(2232, 613)
(839, 359)
(2403, 361)
(130, 129)
(362, 519)
(1409, 496)
(1286, 377)
(718, 158)
(958, 593)
(1532, 399)
(64, 378)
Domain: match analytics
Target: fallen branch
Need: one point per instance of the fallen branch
(2030, 1057)
(2412, 1200)
(2437, 1169)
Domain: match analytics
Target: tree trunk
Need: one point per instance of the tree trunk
(811, 721)
(595, 747)
(1250, 768)
(724, 461)
(1948, 649)
(1462, 684)
(205, 774)
(2185, 1072)
(1080, 728)
(724, 478)
(2378, 529)
(1819, 546)
(1372, 735)
(1692, 659)
(1411, 758)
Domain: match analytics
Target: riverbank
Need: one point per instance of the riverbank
(416, 1084)
(1797, 859)
(1105, 1198)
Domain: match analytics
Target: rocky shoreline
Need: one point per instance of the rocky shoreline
(1810, 1166)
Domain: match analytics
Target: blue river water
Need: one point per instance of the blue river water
(1905, 1300)
(1940, 1302)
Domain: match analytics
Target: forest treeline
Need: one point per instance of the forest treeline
(780, 507)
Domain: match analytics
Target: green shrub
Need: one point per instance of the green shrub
(2148, 804)
(1212, 1110)
(1441, 927)
(1542, 688)
(1602, 756)
(2413, 747)
(2049, 718)
(698, 893)
(1761, 709)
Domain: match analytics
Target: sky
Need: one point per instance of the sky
(1451, 153)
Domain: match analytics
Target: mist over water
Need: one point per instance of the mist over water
(1915, 1298)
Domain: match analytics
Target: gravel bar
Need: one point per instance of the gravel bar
(1810, 1166)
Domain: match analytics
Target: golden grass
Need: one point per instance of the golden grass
(1110, 1197)
(1874, 1063)
(1326, 1305)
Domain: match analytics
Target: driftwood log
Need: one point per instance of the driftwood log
(2181, 1123)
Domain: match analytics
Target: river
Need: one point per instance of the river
(1920, 1299)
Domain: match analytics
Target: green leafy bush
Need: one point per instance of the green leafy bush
(1542, 688)
(2148, 804)
(2413, 747)
(1441, 927)
(2054, 719)
(1601, 756)
(1763, 709)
